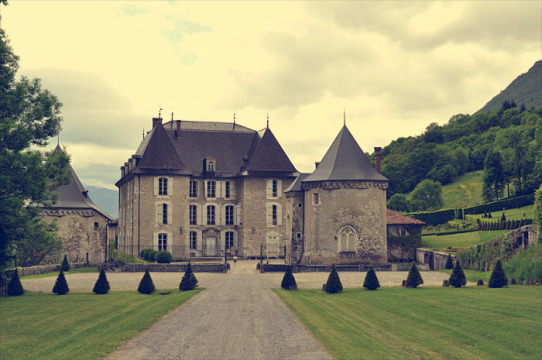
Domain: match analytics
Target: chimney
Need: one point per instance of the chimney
(156, 121)
(178, 131)
(377, 158)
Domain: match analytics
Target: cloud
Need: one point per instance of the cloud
(178, 27)
(131, 10)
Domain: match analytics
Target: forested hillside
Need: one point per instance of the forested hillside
(508, 141)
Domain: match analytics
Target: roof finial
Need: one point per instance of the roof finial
(143, 133)
(160, 113)
(58, 139)
(344, 117)
(172, 114)
(268, 120)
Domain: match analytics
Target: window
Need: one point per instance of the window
(211, 166)
(402, 232)
(274, 215)
(162, 186)
(275, 188)
(193, 240)
(316, 198)
(347, 238)
(229, 215)
(164, 213)
(227, 191)
(229, 240)
(211, 189)
(162, 242)
(193, 215)
(211, 215)
(96, 224)
(193, 189)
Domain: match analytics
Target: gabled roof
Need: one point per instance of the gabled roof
(269, 156)
(74, 195)
(345, 161)
(296, 185)
(395, 218)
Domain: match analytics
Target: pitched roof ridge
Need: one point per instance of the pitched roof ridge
(152, 157)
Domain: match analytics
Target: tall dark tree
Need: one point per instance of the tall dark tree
(498, 278)
(457, 278)
(61, 285)
(65, 266)
(189, 281)
(15, 288)
(102, 284)
(288, 280)
(449, 263)
(414, 279)
(146, 286)
(371, 280)
(29, 117)
(333, 284)
(494, 179)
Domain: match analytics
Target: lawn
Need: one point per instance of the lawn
(465, 191)
(88, 269)
(78, 325)
(511, 214)
(462, 240)
(425, 323)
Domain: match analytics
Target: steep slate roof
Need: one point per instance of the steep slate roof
(395, 218)
(234, 147)
(345, 161)
(296, 185)
(74, 195)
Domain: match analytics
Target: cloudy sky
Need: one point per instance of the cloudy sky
(394, 67)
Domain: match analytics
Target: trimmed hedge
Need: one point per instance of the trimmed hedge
(163, 257)
(502, 225)
(434, 217)
(512, 203)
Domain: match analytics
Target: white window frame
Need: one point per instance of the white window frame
(162, 242)
(193, 215)
(229, 214)
(211, 215)
(193, 240)
(210, 190)
(193, 192)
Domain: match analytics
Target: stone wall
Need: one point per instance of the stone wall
(433, 260)
(403, 240)
(363, 210)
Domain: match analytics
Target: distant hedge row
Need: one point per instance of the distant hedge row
(512, 203)
(503, 225)
(434, 217)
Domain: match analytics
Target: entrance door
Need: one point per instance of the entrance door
(272, 246)
(210, 246)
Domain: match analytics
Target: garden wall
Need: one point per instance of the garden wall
(433, 260)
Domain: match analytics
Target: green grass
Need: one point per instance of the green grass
(511, 214)
(89, 269)
(425, 323)
(473, 275)
(78, 325)
(462, 240)
(465, 191)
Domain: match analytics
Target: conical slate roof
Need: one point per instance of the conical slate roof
(74, 195)
(345, 161)
(269, 156)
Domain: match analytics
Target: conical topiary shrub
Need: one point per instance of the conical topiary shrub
(146, 286)
(414, 279)
(65, 266)
(189, 281)
(371, 281)
(449, 263)
(61, 285)
(457, 278)
(15, 288)
(498, 278)
(288, 281)
(102, 285)
(333, 284)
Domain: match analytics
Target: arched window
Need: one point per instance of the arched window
(211, 166)
(347, 239)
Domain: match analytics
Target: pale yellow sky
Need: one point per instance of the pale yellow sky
(395, 67)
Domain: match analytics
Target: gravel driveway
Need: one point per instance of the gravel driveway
(237, 317)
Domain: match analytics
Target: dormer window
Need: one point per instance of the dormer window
(211, 166)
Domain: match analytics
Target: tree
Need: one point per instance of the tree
(457, 278)
(427, 195)
(498, 278)
(29, 117)
(65, 266)
(538, 211)
(371, 281)
(333, 284)
(288, 281)
(189, 281)
(61, 285)
(15, 288)
(493, 178)
(449, 263)
(146, 286)
(399, 202)
(102, 284)
(414, 279)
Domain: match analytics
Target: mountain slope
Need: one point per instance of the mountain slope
(107, 199)
(526, 89)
